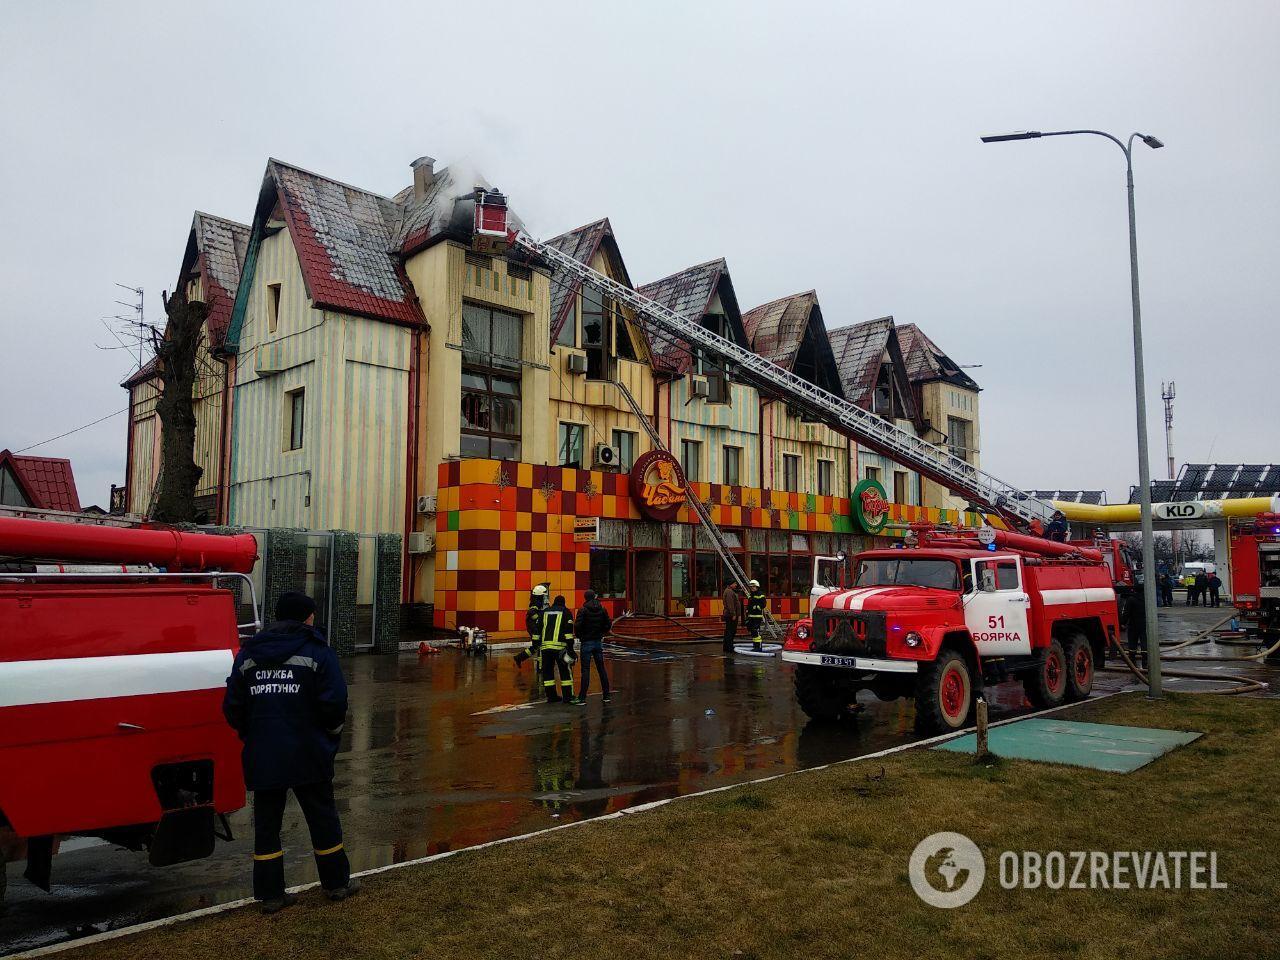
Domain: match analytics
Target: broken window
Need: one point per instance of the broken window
(595, 314)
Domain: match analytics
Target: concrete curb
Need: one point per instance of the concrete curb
(617, 815)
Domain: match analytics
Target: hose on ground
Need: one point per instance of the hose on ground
(1243, 684)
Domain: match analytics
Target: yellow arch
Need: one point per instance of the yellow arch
(1130, 512)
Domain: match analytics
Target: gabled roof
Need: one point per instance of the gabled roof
(346, 238)
(860, 349)
(776, 329)
(690, 293)
(581, 244)
(47, 481)
(216, 249)
(792, 334)
(925, 360)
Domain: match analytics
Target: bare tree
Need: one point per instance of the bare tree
(177, 353)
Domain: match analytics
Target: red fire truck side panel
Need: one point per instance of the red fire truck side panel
(99, 684)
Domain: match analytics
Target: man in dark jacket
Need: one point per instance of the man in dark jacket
(1057, 529)
(1214, 583)
(287, 699)
(732, 614)
(590, 627)
(1202, 590)
(1133, 617)
(557, 652)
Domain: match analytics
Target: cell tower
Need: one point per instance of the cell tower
(1167, 392)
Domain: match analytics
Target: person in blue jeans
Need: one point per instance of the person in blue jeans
(590, 627)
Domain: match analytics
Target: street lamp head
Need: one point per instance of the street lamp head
(1153, 142)
(1020, 135)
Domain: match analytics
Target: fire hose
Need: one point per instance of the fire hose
(1243, 684)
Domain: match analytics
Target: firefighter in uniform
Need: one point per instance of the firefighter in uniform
(557, 651)
(757, 604)
(287, 699)
(533, 624)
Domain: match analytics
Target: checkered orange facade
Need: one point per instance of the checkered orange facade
(503, 527)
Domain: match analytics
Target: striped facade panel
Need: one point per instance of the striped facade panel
(146, 460)
(364, 490)
(271, 485)
(787, 435)
(715, 426)
(884, 472)
(206, 402)
(598, 404)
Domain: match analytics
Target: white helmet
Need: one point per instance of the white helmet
(540, 590)
(753, 584)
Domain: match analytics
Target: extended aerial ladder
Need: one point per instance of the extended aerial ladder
(1019, 510)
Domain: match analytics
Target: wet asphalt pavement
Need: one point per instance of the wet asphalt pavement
(447, 751)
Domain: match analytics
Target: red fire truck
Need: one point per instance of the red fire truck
(1255, 573)
(950, 610)
(115, 645)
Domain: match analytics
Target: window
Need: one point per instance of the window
(273, 306)
(790, 472)
(900, 492)
(609, 572)
(958, 437)
(595, 312)
(998, 575)
(297, 400)
(732, 466)
(826, 473)
(492, 345)
(625, 441)
(680, 587)
(779, 584)
(568, 335)
(940, 574)
(491, 339)
(573, 438)
(691, 459)
(490, 415)
(707, 574)
(10, 492)
(717, 387)
(871, 473)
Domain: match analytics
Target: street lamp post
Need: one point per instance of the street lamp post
(1140, 392)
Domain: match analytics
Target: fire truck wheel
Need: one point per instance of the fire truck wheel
(1046, 685)
(944, 693)
(821, 695)
(1079, 667)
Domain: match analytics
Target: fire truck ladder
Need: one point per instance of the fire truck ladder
(1018, 508)
(771, 628)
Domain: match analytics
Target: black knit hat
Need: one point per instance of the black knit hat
(294, 605)
(589, 596)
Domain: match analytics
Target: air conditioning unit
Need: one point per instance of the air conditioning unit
(606, 456)
(426, 504)
(576, 363)
(422, 542)
(699, 387)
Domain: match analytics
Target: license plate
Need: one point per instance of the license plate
(832, 661)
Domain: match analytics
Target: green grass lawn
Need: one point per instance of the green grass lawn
(815, 865)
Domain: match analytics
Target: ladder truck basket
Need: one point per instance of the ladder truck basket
(491, 213)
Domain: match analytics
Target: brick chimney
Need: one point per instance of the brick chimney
(423, 172)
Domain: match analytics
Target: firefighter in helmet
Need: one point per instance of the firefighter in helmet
(557, 651)
(757, 605)
(533, 624)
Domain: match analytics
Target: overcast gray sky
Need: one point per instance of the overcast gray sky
(814, 145)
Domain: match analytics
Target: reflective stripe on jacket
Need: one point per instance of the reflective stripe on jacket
(757, 603)
(557, 629)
